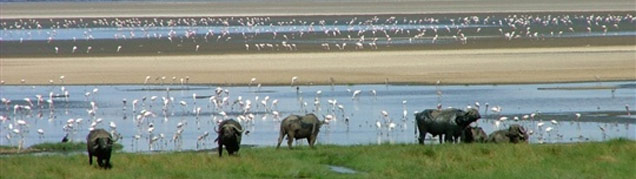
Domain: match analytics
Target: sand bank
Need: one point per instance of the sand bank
(530, 65)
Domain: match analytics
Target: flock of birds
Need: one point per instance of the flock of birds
(174, 115)
(300, 33)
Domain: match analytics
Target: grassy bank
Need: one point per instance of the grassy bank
(51, 147)
(612, 159)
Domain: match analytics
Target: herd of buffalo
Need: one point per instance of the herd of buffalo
(450, 125)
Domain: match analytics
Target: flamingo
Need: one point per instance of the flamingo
(355, 94)
(384, 113)
(147, 79)
(293, 80)
(113, 125)
(41, 132)
(252, 81)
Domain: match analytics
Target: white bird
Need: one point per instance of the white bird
(548, 129)
(146, 81)
(328, 118)
(293, 80)
(252, 81)
(151, 129)
(496, 109)
(384, 113)
(540, 124)
(113, 125)
(378, 124)
(40, 131)
(392, 126)
(355, 94)
(179, 125)
(554, 122)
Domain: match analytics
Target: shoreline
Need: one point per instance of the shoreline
(458, 67)
(349, 84)
(8, 151)
(334, 14)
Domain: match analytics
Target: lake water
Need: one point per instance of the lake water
(362, 112)
(116, 36)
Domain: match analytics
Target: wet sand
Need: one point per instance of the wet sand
(295, 7)
(486, 66)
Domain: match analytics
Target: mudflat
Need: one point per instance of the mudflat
(472, 66)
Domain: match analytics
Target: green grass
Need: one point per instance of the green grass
(612, 159)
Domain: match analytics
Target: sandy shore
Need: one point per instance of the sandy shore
(531, 65)
(296, 7)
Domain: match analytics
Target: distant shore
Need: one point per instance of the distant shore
(295, 7)
(484, 66)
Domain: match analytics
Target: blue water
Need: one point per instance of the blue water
(363, 112)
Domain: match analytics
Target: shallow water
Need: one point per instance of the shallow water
(363, 112)
(110, 36)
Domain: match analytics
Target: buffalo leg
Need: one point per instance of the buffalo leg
(108, 161)
(100, 161)
(90, 159)
(290, 139)
(422, 137)
(280, 139)
(220, 149)
(311, 140)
